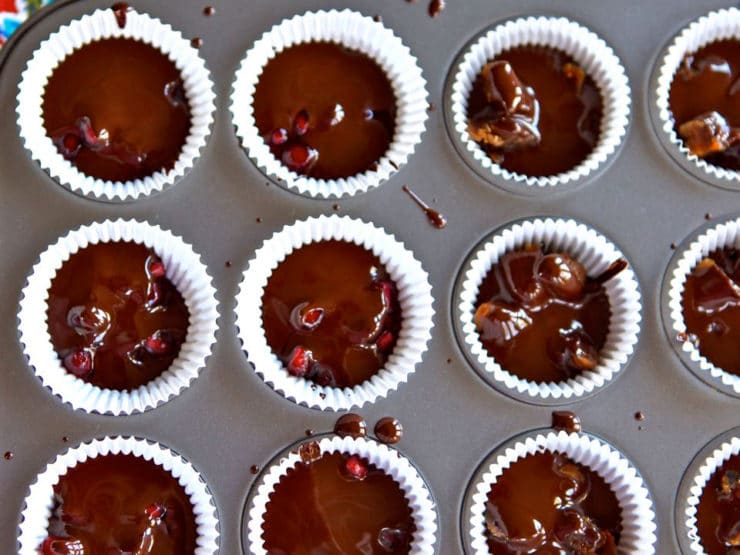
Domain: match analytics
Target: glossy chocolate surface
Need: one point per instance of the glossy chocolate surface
(350, 424)
(548, 504)
(331, 314)
(115, 319)
(326, 111)
(705, 103)
(388, 430)
(711, 308)
(338, 504)
(116, 109)
(540, 111)
(120, 504)
(718, 512)
(541, 317)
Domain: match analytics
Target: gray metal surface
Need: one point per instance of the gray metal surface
(229, 419)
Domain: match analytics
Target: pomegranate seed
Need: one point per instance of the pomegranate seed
(312, 318)
(155, 511)
(55, 545)
(79, 363)
(389, 293)
(323, 376)
(158, 343)
(300, 361)
(89, 137)
(385, 342)
(300, 158)
(356, 468)
(68, 143)
(278, 137)
(300, 123)
(155, 267)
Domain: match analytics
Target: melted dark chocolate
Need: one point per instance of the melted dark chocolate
(338, 504)
(718, 512)
(541, 317)
(705, 103)
(331, 313)
(540, 116)
(120, 504)
(546, 503)
(566, 420)
(436, 7)
(711, 309)
(437, 219)
(326, 111)
(388, 430)
(350, 424)
(114, 318)
(119, 10)
(116, 109)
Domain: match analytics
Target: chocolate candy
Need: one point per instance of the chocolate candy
(718, 512)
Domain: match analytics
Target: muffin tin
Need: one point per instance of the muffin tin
(229, 419)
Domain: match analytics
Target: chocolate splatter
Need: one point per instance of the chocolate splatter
(437, 219)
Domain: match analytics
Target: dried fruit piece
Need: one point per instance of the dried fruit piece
(562, 275)
(155, 511)
(160, 343)
(385, 342)
(573, 349)
(576, 73)
(708, 133)
(392, 539)
(355, 467)
(155, 267)
(278, 136)
(509, 121)
(714, 290)
(300, 123)
(79, 363)
(300, 158)
(299, 362)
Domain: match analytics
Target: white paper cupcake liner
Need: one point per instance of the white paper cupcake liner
(102, 24)
(597, 59)
(713, 461)
(596, 253)
(637, 512)
(384, 458)
(414, 295)
(354, 31)
(722, 235)
(186, 271)
(39, 501)
(715, 26)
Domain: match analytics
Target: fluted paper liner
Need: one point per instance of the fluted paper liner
(102, 24)
(186, 271)
(712, 463)
(590, 51)
(596, 253)
(715, 26)
(637, 535)
(722, 235)
(354, 31)
(384, 458)
(39, 500)
(414, 295)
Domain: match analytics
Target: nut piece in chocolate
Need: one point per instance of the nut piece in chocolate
(708, 133)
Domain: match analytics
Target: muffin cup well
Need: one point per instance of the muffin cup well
(354, 31)
(383, 457)
(596, 253)
(414, 295)
(587, 49)
(637, 510)
(715, 26)
(33, 528)
(699, 472)
(710, 237)
(186, 271)
(99, 25)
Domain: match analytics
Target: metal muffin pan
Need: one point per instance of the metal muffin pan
(229, 420)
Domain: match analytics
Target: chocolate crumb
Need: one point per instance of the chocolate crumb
(336, 207)
(309, 432)
(254, 469)
(436, 7)
(228, 264)
(377, 18)
(392, 163)
(673, 246)
(8, 455)
(65, 439)
(322, 395)
(208, 11)
(259, 220)
(197, 42)
(431, 107)
(449, 361)
(639, 416)
(708, 216)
